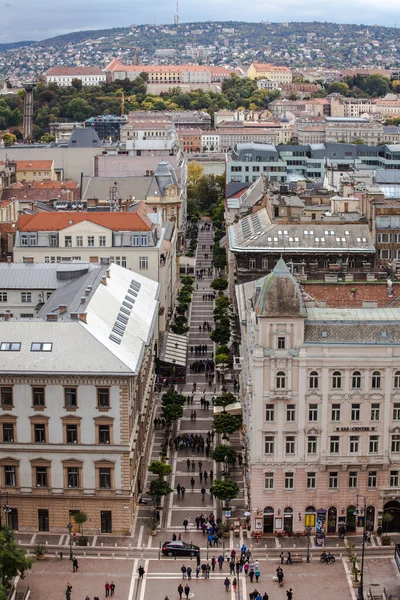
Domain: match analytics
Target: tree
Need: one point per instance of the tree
(224, 400)
(222, 303)
(47, 138)
(172, 397)
(172, 412)
(222, 452)
(158, 488)
(80, 518)
(78, 109)
(9, 139)
(338, 87)
(208, 191)
(160, 468)
(13, 559)
(221, 334)
(376, 85)
(225, 489)
(195, 173)
(222, 359)
(219, 284)
(226, 423)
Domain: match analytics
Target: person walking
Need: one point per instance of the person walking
(183, 571)
(213, 563)
(112, 588)
(220, 560)
(257, 574)
(234, 584)
(178, 490)
(246, 568)
(203, 493)
(75, 565)
(187, 591)
(185, 524)
(189, 572)
(188, 464)
(265, 597)
(282, 557)
(180, 591)
(192, 482)
(141, 572)
(289, 559)
(107, 588)
(289, 594)
(251, 575)
(227, 583)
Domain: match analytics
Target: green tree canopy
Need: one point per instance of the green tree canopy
(160, 468)
(80, 518)
(172, 397)
(158, 488)
(222, 452)
(225, 489)
(225, 399)
(219, 284)
(226, 423)
(13, 559)
(172, 412)
(376, 85)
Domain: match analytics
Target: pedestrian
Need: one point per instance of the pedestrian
(107, 588)
(289, 594)
(141, 572)
(257, 574)
(289, 559)
(180, 591)
(251, 575)
(112, 588)
(183, 571)
(220, 561)
(192, 482)
(282, 557)
(185, 524)
(232, 567)
(197, 571)
(265, 597)
(183, 490)
(178, 489)
(246, 568)
(203, 493)
(189, 572)
(187, 591)
(234, 584)
(75, 565)
(188, 464)
(227, 583)
(208, 569)
(213, 563)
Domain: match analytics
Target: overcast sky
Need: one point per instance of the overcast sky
(40, 19)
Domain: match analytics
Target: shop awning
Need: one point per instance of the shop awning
(174, 349)
(233, 409)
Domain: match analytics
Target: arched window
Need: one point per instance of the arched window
(337, 380)
(356, 380)
(397, 379)
(313, 380)
(376, 380)
(280, 380)
(310, 509)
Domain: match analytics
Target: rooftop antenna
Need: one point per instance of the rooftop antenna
(176, 17)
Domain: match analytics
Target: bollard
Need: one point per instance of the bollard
(61, 555)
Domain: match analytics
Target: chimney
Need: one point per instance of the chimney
(88, 290)
(83, 299)
(108, 273)
(83, 317)
(104, 279)
(9, 259)
(62, 309)
(51, 317)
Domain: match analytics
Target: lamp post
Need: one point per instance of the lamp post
(308, 529)
(69, 527)
(360, 594)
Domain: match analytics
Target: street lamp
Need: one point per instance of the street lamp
(360, 594)
(308, 529)
(69, 527)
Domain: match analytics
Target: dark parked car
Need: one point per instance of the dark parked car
(180, 549)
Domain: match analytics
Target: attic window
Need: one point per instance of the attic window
(343, 239)
(364, 239)
(311, 232)
(306, 232)
(358, 239)
(10, 346)
(41, 347)
(322, 239)
(114, 338)
(324, 334)
(332, 233)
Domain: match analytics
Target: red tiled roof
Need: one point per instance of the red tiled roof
(34, 165)
(269, 67)
(43, 195)
(342, 296)
(71, 71)
(117, 221)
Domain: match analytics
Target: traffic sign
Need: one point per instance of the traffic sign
(227, 513)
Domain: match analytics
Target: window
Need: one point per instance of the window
(313, 380)
(397, 380)
(10, 346)
(395, 443)
(334, 444)
(3, 296)
(375, 412)
(311, 481)
(136, 240)
(270, 412)
(394, 479)
(396, 412)
(143, 262)
(356, 380)
(290, 412)
(104, 478)
(79, 241)
(39, 430)
(24, 240)
(355, 412)
(313, 412)
(71, 397)
(71, 433)
(269, 481)
(90, 241)
(373, 444)
(335, 413)
(38, 399)
(336, 380)
(73, 477)
(26, 297)
(372, 479)
(312, 444)
(8, 432)
(41, 477)
(333, 480)
(104, 434)
(6, 394)
(252, 263)
(269, 442)
(290, 444)
(143, 240)
(68, 241)
(10, 476)
(354, 444)
(102, 241)
(376, 380)
(280, 380)
(281, 343)
(103, 397)
(289, 481)
(41, 347)
(353, 479)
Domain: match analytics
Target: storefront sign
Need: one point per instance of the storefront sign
(258, 524)
(355, 428)
(309, 520)
(278, 523)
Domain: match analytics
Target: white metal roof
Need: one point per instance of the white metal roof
(353, 314)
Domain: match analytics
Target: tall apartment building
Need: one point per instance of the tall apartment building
(321, 409)
(76, 402)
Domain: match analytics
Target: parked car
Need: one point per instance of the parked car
(180, 549)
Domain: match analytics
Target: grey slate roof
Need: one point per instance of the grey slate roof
(359, 332)
(99, 187)
(40, 276)
(84, 137)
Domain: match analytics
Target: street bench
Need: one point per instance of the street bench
(297, 558)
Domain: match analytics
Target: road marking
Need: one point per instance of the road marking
(149, 543)
(60, 541)
(133, 579)
(144, 579)
(94, 540)
(139, 542)
(349, 580)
